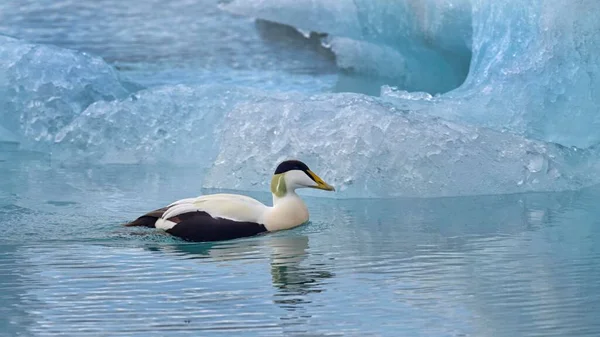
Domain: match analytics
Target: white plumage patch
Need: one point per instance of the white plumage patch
(164, 224)
(297, 179)
(180, 209)
(227, 206)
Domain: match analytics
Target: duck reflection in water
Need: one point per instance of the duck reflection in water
(294, 278)
(292, 273)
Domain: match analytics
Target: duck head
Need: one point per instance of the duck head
(293, 174)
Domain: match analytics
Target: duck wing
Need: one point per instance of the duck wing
(208, 218)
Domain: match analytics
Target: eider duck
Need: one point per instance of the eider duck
(218, 217)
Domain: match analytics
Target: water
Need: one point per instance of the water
(508, 265)
(487, 265)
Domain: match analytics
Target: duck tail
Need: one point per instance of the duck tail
(148, 219)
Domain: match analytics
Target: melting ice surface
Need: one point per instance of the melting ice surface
(109, 109)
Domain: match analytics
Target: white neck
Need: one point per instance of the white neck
(288, 211)
(289, 194)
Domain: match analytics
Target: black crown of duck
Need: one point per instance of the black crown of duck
(217, 217)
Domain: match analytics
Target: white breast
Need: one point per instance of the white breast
(288, 212)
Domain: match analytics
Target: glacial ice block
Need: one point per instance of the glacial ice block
(364, 146)
(42, 88)
(417, 45)
(534, 65)
(367, 148)
(174, 124)
(535, 70)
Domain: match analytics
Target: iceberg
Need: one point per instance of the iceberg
(365, 146)
(535, 71)
(418, 45)
(368, 148)
(42, 88)
(484, 98)
(530, 67)
(173, 124)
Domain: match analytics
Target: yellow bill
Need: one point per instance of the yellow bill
(320, 183)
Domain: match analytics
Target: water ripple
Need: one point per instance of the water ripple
(524, 265)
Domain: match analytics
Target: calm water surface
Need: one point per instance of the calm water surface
(518, 265)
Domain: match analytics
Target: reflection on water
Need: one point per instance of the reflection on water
(514, 265)
(293, 279)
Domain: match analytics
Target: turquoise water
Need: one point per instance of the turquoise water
(497, 265)
(524, 265)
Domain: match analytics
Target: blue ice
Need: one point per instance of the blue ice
(478, 97)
